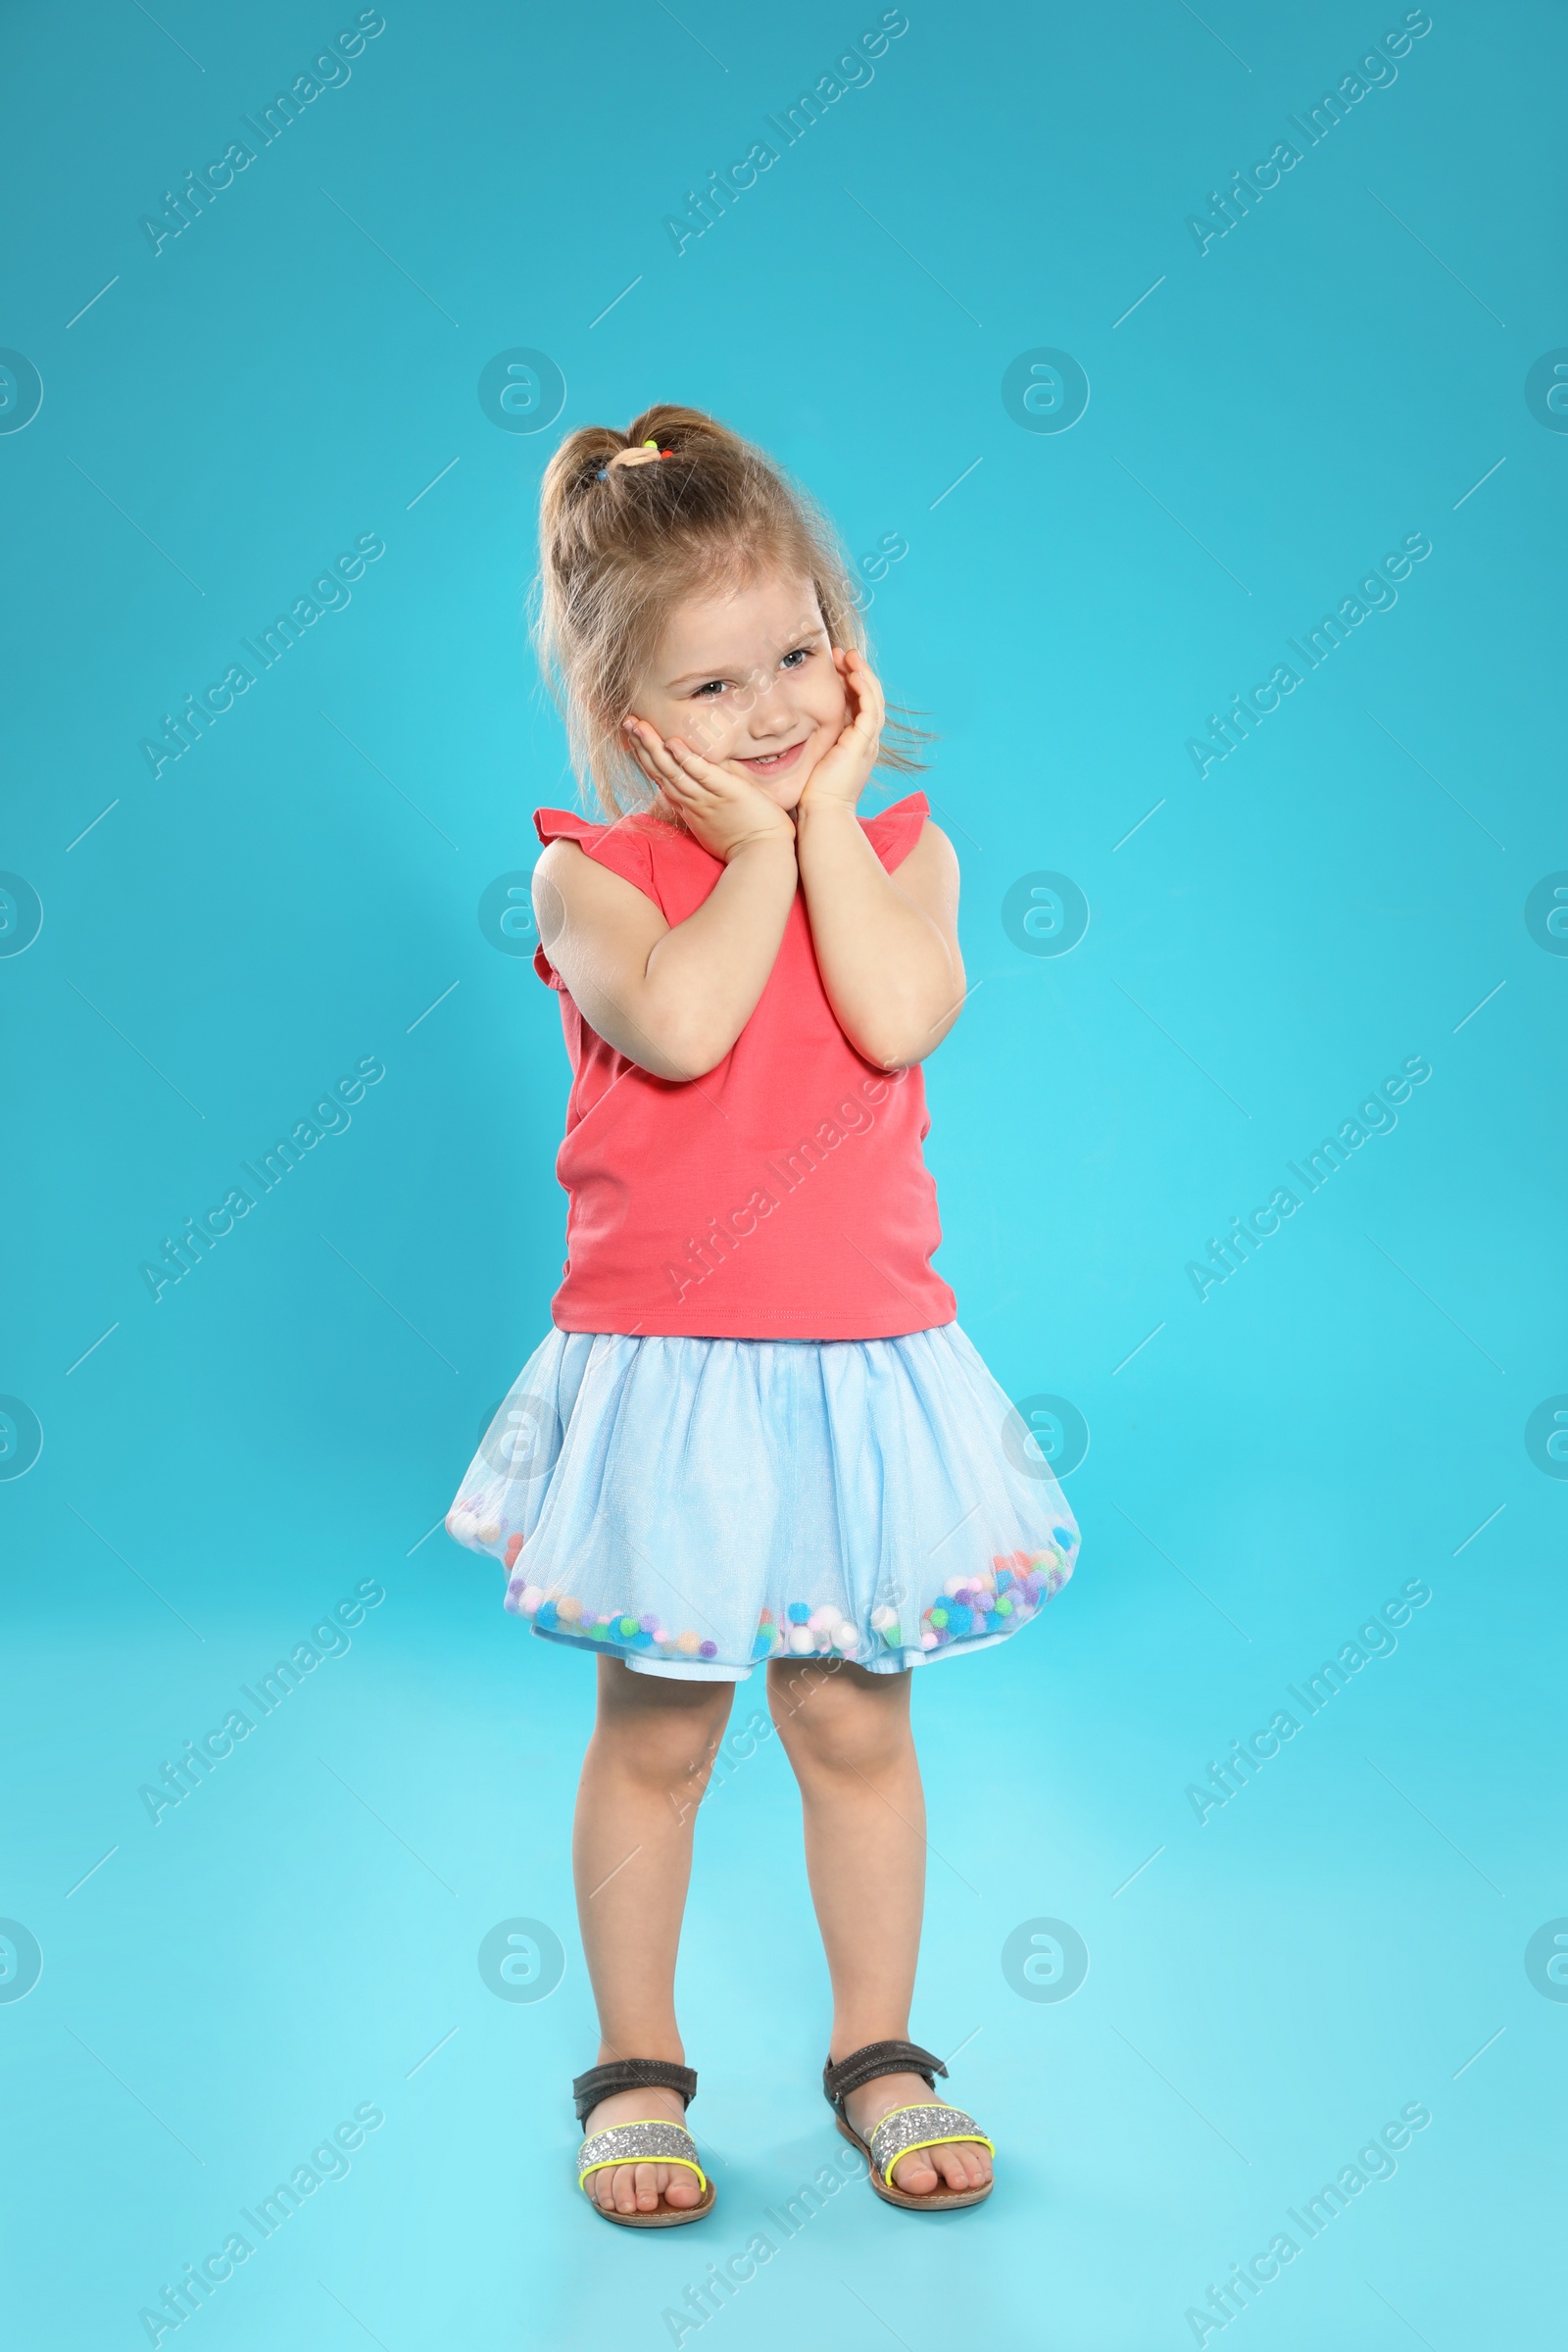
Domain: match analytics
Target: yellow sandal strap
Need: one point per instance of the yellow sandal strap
(653, 2142)
(930, 2124)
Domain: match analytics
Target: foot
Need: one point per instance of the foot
(638, 2188)
(963, 2164)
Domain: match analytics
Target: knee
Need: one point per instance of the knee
(841, 1722)
(668, 1742)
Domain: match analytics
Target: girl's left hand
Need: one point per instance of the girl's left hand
(843, 773)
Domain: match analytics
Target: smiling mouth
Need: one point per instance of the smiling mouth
(774, 762)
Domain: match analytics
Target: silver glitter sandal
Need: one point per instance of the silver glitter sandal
(902, 2128)
(653, 2142)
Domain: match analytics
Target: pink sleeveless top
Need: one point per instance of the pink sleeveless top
(780, 1197)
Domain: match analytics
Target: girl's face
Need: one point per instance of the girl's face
(748, 679)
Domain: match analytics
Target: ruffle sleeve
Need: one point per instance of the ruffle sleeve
(894, 831)
(623, 848)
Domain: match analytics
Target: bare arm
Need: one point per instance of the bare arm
(887, 944)
(673, 1000)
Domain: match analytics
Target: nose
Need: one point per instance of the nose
(768, 708)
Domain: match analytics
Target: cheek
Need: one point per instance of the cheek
(697, 723)
(829, 705)
(711, 727)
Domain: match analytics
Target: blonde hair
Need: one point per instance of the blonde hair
(621, 545)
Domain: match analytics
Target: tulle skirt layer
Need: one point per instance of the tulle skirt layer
(697, 1506)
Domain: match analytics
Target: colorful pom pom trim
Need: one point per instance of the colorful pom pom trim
(1015, 1589)
(974, 1607)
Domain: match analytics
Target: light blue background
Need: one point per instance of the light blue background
(1340, 1417)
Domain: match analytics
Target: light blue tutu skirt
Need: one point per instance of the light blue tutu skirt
(697, 1506)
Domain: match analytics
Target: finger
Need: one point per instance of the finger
(649, 750)
(654, 755)
(700, 771)
(685, 794)
(855, 693)
(872, 707)
(651, 775)
(685, 790)
(643, 750)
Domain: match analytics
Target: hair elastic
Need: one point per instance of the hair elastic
(634, 456)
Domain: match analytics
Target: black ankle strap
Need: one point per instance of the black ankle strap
(877, 2058)
(632, 2074)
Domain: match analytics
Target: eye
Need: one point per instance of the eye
(802, 653)
(706, 691)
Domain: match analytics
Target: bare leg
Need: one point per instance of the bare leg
(846, 1734)
(643, 1776)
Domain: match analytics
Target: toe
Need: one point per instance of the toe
(963, 2165)
(681, 2185)
(626, 2187)
(914, 2174)
(648, 2179)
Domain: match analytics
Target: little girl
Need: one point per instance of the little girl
(755, 1434)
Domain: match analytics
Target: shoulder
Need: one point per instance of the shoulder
(933, 845)
(929, 868)
(558, 862)
(578, 849)
(904, 830)
(578, 874)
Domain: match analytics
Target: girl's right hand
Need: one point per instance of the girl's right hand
(726, 813)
